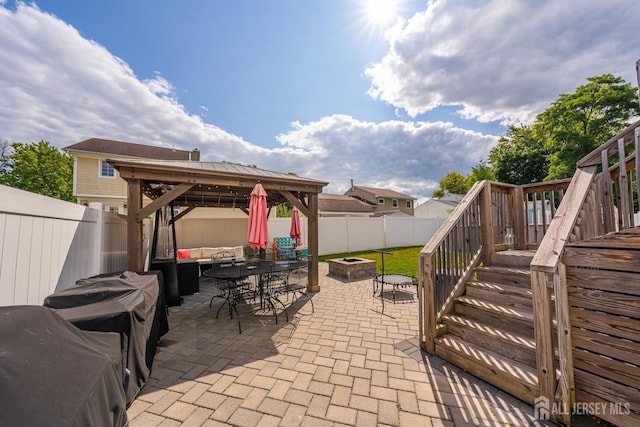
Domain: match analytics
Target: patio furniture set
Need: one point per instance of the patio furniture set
(258, 283)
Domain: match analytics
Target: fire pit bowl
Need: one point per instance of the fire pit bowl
(352, 268)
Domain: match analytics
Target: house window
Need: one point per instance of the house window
(381, 201)
(394, 203)
(408, 204)
(106, 170)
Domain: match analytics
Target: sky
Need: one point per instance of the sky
(387, 93)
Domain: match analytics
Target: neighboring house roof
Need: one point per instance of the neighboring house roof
(119, 148)
(341, 203)
(380, 192)
(435, 208)
(451, 197)
(444, 202)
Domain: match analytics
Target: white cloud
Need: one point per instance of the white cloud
(60, 87)
(504, 60)
(406, 156)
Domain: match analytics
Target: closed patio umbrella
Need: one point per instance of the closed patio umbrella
(257, 233)
(294, 232)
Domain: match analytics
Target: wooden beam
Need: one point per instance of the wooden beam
(552, 247)
(134, 226)
(164, 200)
(183, 213)
(297, 203)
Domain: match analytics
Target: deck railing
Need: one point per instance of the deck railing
(600, 199)
(541, 200)
(490, 218)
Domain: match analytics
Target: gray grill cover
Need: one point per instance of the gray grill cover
(128, 303)
(52, 373)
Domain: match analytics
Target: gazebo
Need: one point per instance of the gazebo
(193, 184)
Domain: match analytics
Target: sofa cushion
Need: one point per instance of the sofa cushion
(204, 254)
(195, 253)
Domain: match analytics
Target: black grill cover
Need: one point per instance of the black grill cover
(128, 303)
(52, 373)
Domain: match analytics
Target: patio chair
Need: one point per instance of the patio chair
(295, 281)
(226, 290)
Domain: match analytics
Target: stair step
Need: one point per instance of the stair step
(506, 374)
(518, 320)
(507, 295)
(514, 276)
(512, 346)
(515, 258)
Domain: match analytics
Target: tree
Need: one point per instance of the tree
(480, 172)
(579, 122)
(453, 182)
(520, 157)
(4, 152)
(39, 168)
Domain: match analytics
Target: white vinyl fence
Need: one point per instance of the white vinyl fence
(336, 234)
(47, 244)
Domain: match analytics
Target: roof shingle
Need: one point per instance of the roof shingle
(119, 148)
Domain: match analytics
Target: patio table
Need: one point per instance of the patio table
(263, 270)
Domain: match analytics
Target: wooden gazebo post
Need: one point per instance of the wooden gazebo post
(314, 280)
(134, 225)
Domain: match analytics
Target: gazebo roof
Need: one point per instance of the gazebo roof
(211, 184)
(215, 184)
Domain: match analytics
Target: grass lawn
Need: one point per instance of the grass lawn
(403, 260)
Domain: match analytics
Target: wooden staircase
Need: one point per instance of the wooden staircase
(490, 331)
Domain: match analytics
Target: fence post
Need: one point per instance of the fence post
(98, 241)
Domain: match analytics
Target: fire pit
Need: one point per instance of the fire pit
(352, 268)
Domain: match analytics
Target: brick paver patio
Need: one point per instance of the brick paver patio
(345, 364)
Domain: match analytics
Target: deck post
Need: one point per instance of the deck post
(486, 221)
(566, 385)
(428, 308)
(541, 285)
(518, 207)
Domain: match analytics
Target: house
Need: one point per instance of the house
(438, 208)
(95, 180)
(341, 205)
(383, 200)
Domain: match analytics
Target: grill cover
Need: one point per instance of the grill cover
(52, 373)
(129, 303)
